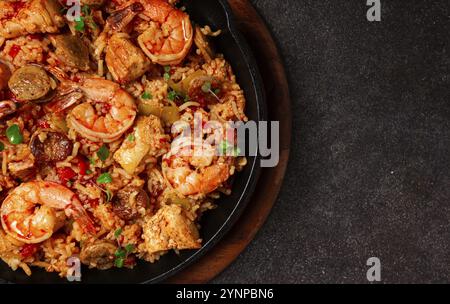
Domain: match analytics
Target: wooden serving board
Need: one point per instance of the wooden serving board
(271, 67)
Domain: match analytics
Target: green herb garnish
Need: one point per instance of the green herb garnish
(167, 68)
(120, 253)
(105, 178)
(119, 262)
(129, 248)
(172, 95)
(14, 135)
(166, 76)
(131, 137)
(146, 96)
(86, 19)
(79, 25)
(2, 146)
(117, 233)
(103, 153)
(225, 147)
(206, 87)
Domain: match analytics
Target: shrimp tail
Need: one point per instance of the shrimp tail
(79, 215)
(87, 225)
(120, 19)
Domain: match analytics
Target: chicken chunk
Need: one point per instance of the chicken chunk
(72, 51)
(125, 61)
(21, 162)
(170, 228)
(146, 139)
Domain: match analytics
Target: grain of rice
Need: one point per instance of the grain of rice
(188, 104)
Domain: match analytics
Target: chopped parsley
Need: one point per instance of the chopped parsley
(129, 248)
(119, 262)
(103, 153)
(79, 25)
(146, 96)
(206, 87)
(121, 255)
(117, 233)
(226, 148)
(85, 20)
(104, 178)
(172, 95)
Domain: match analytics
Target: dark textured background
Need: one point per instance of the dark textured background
(369, 171)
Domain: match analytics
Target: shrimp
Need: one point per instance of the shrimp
(29, 212)
(191, 174)
(169, 38)
(109, 112)
(18, 18)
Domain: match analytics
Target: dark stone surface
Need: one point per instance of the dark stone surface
(369, 172)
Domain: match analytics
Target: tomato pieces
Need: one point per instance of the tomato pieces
(15, 49)
(83, 165)
(28, 250)
(65, 174)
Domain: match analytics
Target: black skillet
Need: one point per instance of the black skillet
(215, 223)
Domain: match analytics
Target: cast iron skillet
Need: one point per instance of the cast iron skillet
(215, 223)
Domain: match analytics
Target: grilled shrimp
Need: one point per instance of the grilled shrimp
(109, 112)
(18, 18)
(169, 38)
(29, 212)
(191, 174)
